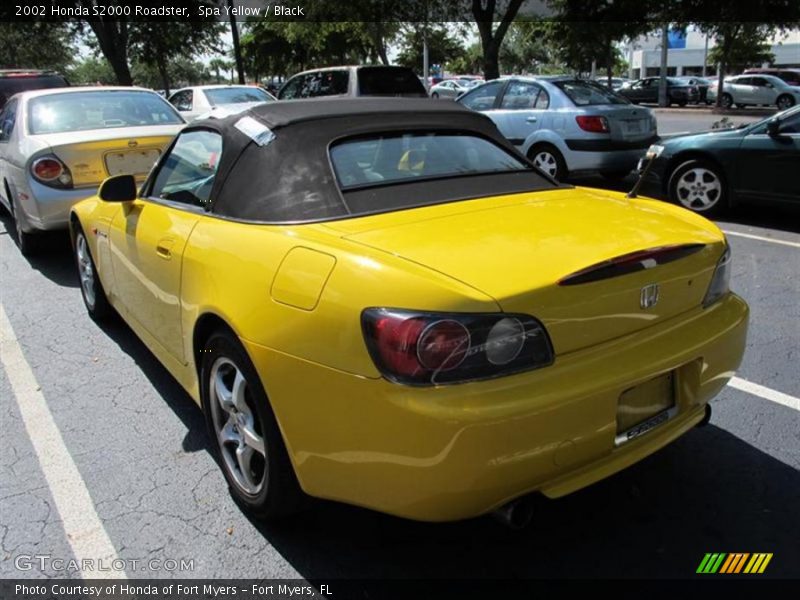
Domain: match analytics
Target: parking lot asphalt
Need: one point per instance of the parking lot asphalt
(140, 453)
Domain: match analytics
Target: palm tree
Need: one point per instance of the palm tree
(217, 65)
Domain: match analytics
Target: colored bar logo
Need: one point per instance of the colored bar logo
(734, 563)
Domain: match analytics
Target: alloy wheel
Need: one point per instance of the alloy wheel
(85, 269)
(238, 430)
(785, 102)
(699, 189)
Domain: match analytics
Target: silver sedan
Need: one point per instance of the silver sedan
(744, 90)
(452, 88)
(58, 145)
(566, 125)
(193, 102)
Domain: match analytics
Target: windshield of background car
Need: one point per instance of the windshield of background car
(397, 158)
(588, 94)
(388, 81)
(10, 85)
(79, 111)
(236, 95)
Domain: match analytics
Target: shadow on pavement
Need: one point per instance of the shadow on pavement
(707, 492)
(167, 387)
(53, 258)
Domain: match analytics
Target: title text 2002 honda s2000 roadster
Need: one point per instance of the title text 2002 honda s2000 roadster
(381, 302)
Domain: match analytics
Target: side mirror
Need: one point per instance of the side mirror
(120, 188)
(773, 128)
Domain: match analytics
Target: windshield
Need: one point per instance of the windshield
(79, 111)
(236, 95)
(395, 158)
(583, 93)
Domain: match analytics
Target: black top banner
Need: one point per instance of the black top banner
(765, 11)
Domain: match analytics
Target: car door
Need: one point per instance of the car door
(520, 111)
(767, 165)
(763, 91)
(148, 237)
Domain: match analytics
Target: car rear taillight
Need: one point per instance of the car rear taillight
(50, 171)
(720, 282)
(592, 124)
(421, 348)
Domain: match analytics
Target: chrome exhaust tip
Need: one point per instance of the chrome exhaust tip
(515, 515)
(706, 417)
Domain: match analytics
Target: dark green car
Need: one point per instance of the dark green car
(713, 171)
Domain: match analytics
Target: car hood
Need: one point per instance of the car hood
(518, 248)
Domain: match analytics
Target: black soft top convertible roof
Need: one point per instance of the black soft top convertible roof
(290, 178)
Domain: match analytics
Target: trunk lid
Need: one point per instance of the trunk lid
(627, 123)
(96, 154)
(517, 248)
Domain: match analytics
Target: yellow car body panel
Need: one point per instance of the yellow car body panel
(439, 452)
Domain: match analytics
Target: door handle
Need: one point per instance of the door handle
(531, 119)
(164, 248)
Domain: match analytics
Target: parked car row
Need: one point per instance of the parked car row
(755, 90)
(58, 144)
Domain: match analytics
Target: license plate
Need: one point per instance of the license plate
(633, 126)
(133, 162)
(645, 406)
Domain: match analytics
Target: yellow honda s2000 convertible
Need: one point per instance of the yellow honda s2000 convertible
(381, 302)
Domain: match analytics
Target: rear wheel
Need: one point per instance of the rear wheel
(435, 95)
(245, 432)
(28, 243)
(91, 289)
(547, 158)
(726, 101)
(784, 102)
(699, 186)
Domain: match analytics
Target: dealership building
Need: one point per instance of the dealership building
(688, 53)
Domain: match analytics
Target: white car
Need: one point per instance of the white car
(745, 90)
(192, 102)
(58, 145)
(452, 88)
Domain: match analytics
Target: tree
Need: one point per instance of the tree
(36, 45)
(583, 33)
(484, 13)
(90, 71)
(156, 44)
(526, 48)
(747, 48)
(219, 64)
(442, 46)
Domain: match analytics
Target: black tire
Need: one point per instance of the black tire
(726, 101)
(557, 168)
(92, 292)
(435, 95)
(28, 243)
(682, 103)
(689, 178)
(279, 493)
(784, 102)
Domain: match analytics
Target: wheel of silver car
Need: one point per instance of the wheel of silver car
(28, 243)
(698, 186)
(435, 95)
(784, 102)
(246, 435)
(94, 298)
(727, 101)
(549, 160)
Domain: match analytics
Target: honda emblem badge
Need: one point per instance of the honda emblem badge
(649, 296)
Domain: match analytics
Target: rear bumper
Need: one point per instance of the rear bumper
(48, 208)
(454, 452)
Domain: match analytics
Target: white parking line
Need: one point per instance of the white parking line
(762, 239)
(765, 392)
(85, 533)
